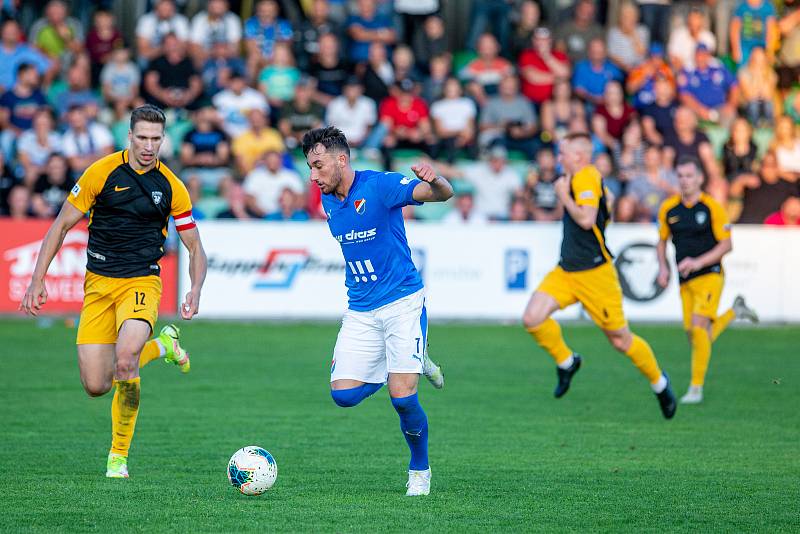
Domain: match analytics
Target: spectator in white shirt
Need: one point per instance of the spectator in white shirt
(464, 211)
(494, 182)
(266, 182)
(684, 39)
(154, 26)
(216, 24)
(234, 103)
(85, 142)
(35, 146)
(352, 112)
(454, 122)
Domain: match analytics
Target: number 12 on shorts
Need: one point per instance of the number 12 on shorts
(139, 298)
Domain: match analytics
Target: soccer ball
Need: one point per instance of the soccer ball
(252, 470)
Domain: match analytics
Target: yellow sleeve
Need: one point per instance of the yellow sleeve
(720, 224)
(92, 181)
(181, 204)
(586, 187)
(663, 227)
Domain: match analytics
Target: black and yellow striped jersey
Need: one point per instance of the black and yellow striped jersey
(586, 249)
(128, 214)
(695, 229)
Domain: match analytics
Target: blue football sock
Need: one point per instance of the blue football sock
(347, 398)
(414, 424)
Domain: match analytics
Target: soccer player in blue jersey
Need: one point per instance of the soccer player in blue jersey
(384, 331)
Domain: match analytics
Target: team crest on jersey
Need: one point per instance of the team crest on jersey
(157, 196)
(360, 205)
(700, 217)
(75, 190)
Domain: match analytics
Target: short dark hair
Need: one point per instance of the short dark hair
(148, 113)
(331, 138)
(24, 66)
(689, 160)
(573, 136)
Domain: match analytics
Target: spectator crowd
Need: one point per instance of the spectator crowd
(650, 81)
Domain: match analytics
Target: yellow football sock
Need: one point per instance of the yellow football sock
(152, 350)
(701, 354)
(548, 336)
(721, 323)
(643, 358)
(124, 409)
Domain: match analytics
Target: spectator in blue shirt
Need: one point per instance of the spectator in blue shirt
(219, 69)
(754, 24)
(18, 106)
(262, 31)
(710, 90)
(367, 27)
(593, 73)
(13, 53)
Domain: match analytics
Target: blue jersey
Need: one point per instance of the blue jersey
(369, 226)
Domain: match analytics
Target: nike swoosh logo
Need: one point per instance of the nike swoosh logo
(137, 311)
(673, 220)
(118, 188)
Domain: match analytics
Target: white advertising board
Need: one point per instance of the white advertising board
(471, 272)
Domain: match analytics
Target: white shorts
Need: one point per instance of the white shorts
(389, 339)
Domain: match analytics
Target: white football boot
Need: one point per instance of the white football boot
(693, 396)
(432, 372)
(419, 483)
(743, 311)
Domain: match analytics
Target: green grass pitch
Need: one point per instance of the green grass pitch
(505, 454)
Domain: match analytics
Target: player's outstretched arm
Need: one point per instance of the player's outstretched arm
(663, 266)
(198, 265)
(36, 294)
(433, 188)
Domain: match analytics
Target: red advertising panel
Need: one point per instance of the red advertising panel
(19, 248)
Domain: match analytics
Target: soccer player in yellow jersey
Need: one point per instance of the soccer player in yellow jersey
(702, 237)
(130, 196)
(587, 275)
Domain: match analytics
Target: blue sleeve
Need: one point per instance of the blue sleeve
(5, 99)
(396, 190)
(768, 10)
(577, 82)
(285, 30)
(250, 29)
(741, 9)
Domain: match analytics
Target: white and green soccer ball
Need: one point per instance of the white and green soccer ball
(252, 470)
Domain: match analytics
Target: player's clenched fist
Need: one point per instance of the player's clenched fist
(424, 172)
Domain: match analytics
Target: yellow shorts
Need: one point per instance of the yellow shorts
(108, 302)
(597, 289)
(700, 296)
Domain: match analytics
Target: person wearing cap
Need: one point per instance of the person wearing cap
(710, 90)
(407, 121)
(541, 67)
(493, 181)
(684, 39)
(352, 112)
(593, 73)
(642, 79)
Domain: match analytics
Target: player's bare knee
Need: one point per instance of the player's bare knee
(127, 365)
(621, 341)
(533, 318)
(96, 387)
